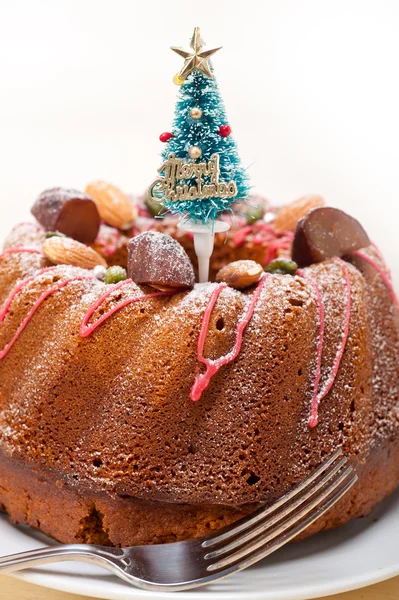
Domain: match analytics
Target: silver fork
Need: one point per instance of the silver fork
(190, 564)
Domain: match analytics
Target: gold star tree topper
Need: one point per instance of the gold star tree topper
(198, 59)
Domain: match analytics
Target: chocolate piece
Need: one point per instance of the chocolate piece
(158, 260)
(68, 211)
(326, 232)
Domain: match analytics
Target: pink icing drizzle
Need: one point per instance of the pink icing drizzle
(17, 289)
(384, 274)
(16, 249)
(313, 418)
(86, 329)
(35, 307)
(202, 380)
(37, 226)
(338, 357)
(318, 394)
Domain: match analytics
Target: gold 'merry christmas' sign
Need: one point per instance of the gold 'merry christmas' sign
(172, 187)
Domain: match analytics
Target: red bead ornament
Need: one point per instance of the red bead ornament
(165, 137)
(224, 130)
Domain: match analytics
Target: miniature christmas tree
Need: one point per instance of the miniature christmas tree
(201, 175)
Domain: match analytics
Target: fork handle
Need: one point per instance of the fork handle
(99, 555)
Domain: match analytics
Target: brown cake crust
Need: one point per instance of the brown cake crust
(107, 420)
(34, 499)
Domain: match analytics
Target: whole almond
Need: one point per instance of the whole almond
(288, 217)
(240, 274)
(114, 206)
(66, 251)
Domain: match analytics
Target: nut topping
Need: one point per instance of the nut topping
(240, 274)
(66, 251)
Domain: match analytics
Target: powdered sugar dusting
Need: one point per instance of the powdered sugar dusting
(20, 249)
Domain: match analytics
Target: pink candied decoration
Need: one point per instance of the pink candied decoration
(86, 329)
(262, 232)
(202, 380)
(16, 249)
(318, 394)
(240, 236)
(35, 307)
(108, 239)
(384, 274)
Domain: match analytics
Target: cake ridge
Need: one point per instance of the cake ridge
(37, 304)
(86, 329)
(212, 366)
(313, 416)
(319, 394)
(385, 275)
(17, 249)
(345, 332)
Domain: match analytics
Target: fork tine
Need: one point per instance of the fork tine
(286, 510)
(285, 531)
(284, 538)
(263, 512)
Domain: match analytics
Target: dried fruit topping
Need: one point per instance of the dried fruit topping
(69, 212)
(114, 206)
(253, 210)
(288, 217)
(281, 266)
(50, 234)
(66, 251)
(158, 260)
(254, 213)
(154, 207)
(240, 274)
(324, 233)
(115, 274)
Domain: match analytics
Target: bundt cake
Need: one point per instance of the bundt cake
(145, 409)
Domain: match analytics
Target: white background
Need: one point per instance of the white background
(310, 87)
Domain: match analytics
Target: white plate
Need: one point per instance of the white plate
(361, 553)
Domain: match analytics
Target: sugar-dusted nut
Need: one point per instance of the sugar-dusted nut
(289, 215)
(158, 260)
(66, 251)
(99, 272)
(324, 233)
(114, 206)
(240, 274)
(68, 211)
(115, 274)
